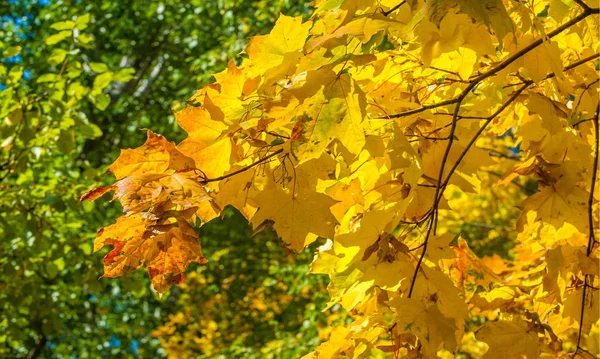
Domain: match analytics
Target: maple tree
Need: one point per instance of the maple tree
(364, 125)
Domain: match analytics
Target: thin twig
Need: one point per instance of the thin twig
(582, 4)
(423, 108)
(503, 64)
(480, 131)
(517, 55)
(582, 121)
(567, 68)
(207, 180)
(440, 188)
(386, 13)
(592, 235)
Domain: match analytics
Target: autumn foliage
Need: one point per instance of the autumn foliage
(366, 125)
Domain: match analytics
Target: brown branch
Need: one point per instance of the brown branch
(583, 92)
(386, 13)
(567, 68)
(582, 121)
(479, 132)
(422, 108)
(37, 350)
(592, 236)
(502, 65)
(434, 212)
(207, 180)
(583, 5)
(533, 45)
(441, 187)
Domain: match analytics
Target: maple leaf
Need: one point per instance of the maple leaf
(140, 192)
(156, 155)
(509, 338)
(296, 215)
(207, 143)
(165, 249)
(426, 322)
(556, 204)
(288, 35)
(336, 112)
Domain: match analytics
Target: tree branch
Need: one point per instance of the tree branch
(592, 235)
(567, 68)
(207, 180)
(422, 108)
(386, 13)
(583, 5)
(587, 12)
(479, 132)
(37, 350)
(532, 46)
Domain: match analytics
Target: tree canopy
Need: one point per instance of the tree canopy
(366, 125)
(357, 178)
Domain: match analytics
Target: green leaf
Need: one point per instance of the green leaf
(47, 78)
(12, 51)
(57, 56)
(66, 141)
(56, 38)
(98, 67)
(85, 38)
(63, 25)
(86, 248)
(60, 263)
(77, 90)
(125, 75)
(82, 21)
(15, 73)
(100, 100)
(51, 270)
(89, 130)
(102, 81)
(74, 69)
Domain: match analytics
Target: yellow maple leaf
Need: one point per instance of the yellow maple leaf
(509, 339)
(426, 322)
(335, 112)
(288, 35)
(556, 205)
(296, 214)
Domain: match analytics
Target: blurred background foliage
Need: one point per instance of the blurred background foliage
(78, 79)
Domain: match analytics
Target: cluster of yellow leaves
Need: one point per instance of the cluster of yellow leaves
(351, 126)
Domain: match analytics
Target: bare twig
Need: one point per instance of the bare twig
(587, 12)
(479, 132)
(207, 180)
(386, 13)
(583, 5)
(567, 68)
(592, 235)
(432, 226)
